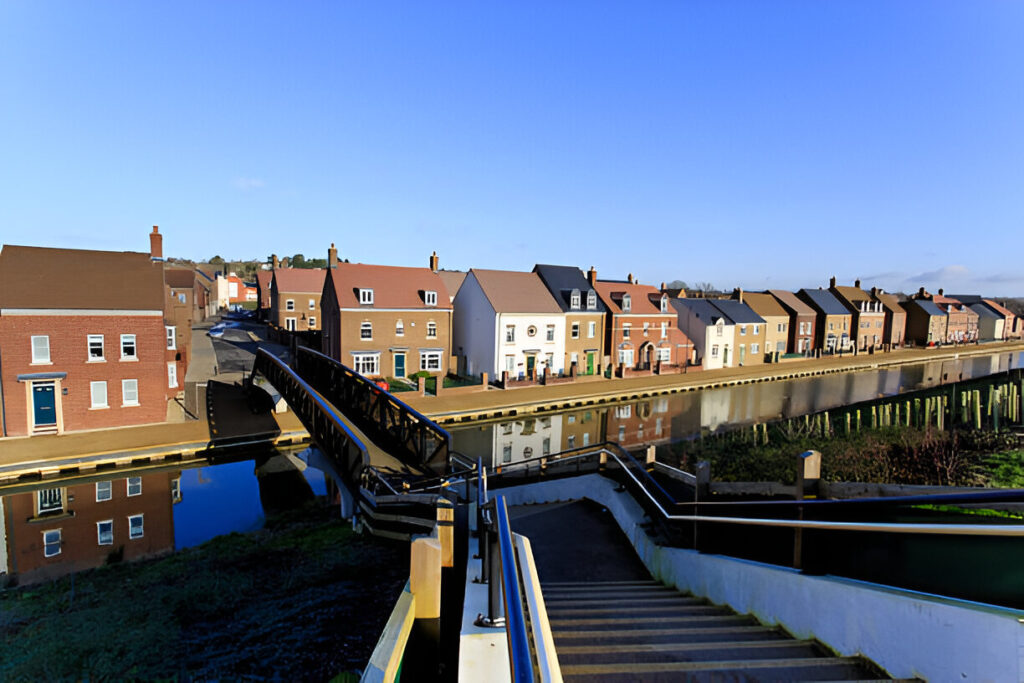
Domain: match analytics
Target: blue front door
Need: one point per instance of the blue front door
(44, 405)
(400, 365)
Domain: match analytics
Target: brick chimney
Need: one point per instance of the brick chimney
(274, 263)
(941, 291)
(856, 283)
(663, 286)
(874, 291)
(832, 281)
(630, 278)
(920, 292)
(156, 244)
(592, 276)
(434, 261)
(738, 294)
(332, 257)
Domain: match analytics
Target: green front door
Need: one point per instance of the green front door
(531, 362)
(399, 365)
(590, 363)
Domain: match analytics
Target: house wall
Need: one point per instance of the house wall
(869, 329)
(639, 424)
(704, 337)
(69, 353)
(582, 428)
(749, 343)
(474, 329)
(584, 343)
(775, 339)
(616, 337)
(389, 344)
(895, 328)
(837, 326)
(802, 337)
(179, 314)
(545, 352)
(279, 312)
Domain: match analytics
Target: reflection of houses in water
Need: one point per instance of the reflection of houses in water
(512, 441)
(52, 531)
(640, 423)
(581, 428)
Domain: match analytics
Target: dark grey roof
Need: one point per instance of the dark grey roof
(738, 311)
(703, 309)
(966, 298)
(825, 301)
(984, 311)
(927, 306)
(562, 280)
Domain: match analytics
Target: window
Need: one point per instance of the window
(103, 491)
(545, 446)
(665, 355)
(366, 363)
(510, 333)
(105, 532)
(506, 453)
(627, 304)
(289, 324)
(571, 441)
(781, 327)
(366, 331)
(366, 296)
(135, 529)
(51, 543)
(714, 351)
(574, 331)
(647, 328)
(96, 346)
(664, 304)
(181, 298)
(574, 358)
(129, 392)
(719, 327)
(430, 360)
(399, 328)
(40, 349)
(574, 299)
(171, 345)
(312, 304)
(510, 364)
(430, 298)
(50, 500)
(312, 322)
(98, 394)
(626, 356)
(531, 331)
(176, 490)
(551, 333)
(626, 328)
(134, 486)
(591, 329)
(128, 350)
(622, 433)
(431, 330)
(289, 305)
(586, 438)
(743, 330)
(757, 329)
(664, 330)
(754, 348)
(591, 300)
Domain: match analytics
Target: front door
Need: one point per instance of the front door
(725, 356)
(590, 363)
(44, 405)
(531, 362)
(399, 365)
(743, 353)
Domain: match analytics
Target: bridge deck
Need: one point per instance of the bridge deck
(379, 458)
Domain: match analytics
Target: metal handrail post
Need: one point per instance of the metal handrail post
(520, 657)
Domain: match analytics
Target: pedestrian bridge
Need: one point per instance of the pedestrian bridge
(593, 564)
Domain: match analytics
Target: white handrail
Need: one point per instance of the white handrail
(543, 641)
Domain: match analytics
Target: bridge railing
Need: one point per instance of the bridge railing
(325, 427)
(393, 425)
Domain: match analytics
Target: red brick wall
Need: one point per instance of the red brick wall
(69, 353)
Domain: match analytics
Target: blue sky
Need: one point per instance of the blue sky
(762, 144)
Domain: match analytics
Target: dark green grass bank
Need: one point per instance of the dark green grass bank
(303, 599)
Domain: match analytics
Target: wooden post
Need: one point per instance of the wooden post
(858, 420)
(446, 531)
(808, 475)
(874, 417)
(425, 577)
(848, 423)
(977, 409)
(651, 454)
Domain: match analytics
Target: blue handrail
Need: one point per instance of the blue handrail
(519, 655)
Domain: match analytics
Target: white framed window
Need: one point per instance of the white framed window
(135, 526)
(105, 532)
(176, 489)
(506, 453)
(510, 333)
(665, 355)
(95, 344)
(289, 324)
(366, 331)
(399, 328)
(289, 305)
(624, 412)
(626, 356)
(430, 360)
(129, 392)
(98, 394)
(545, 446)
(128, 348)
(550, 333)
(647, 328)
(366, 363)
(719, 327)
(757, 329)
(591, 329)
(40, 348)
(574, 358)
(574, 331)
(181, 298)
(714, 351)
(312, 322)
(51, 542)
(50, 500)
(133, 485)
(104, 491)
(586, 438)
(312, 304)
(366, 296)
(510, 364)
(171, 343)
(782, 327)
(431, 329)
(664, 304)
(627, 304)
(430, 298)
(664, 329)
(755, 347)
(743, 330)
(591, 300)
(574, 299)
(571, 441)
(626, 329)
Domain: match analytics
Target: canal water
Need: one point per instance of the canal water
(51, 528)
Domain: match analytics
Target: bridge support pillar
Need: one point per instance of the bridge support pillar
(348, 503)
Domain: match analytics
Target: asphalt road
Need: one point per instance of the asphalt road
(236, 351)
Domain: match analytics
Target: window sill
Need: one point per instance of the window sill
(130, 405)
(130, 359)
(96, 360)
(49, 517)
(41, 363)
(99, 407)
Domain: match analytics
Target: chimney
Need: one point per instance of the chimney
(856, 283)
(274, 263)
(940, 291)
(434, 261)
(920, 292)
(832, 282)
(738, 294)
(630, 278)
(156, 245)
(332, 257)
(592, 276)
(874, 291)
(663, 286)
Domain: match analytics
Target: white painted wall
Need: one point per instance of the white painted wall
(537, 430)
(705, 336)
(538, 343)
(473, 328)
(908, 634)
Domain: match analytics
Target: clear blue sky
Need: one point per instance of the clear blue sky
(742, 143)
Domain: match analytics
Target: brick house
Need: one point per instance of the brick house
(713, 332)
(1011, 326)
(961, 323)
(295, 298)
(802, 321)
(205, 302)
(894, 333)
(389, 321)
(82, 340)
(179, 307)
(641, 330)
(263, 278)
(584, 316)
(833, 321)
(868, 321)
(748, 331)
(776, 320)
(926, 322)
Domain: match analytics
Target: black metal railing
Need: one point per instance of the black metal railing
(390, 423)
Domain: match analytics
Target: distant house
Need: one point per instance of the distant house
(86, 351)
(961, 323)
(204, 296)
(868, 320)
(179, 309)
(991, 325)
(802, 321)
(776, 320)
(295, 298)
(1011, 324)
(926, 322)
(894, 332)
(833, 321)
(388, 321)
(712, 332)
(507, 321)
(584, 316)
(452, 278)
(263, 278)
(749, 331)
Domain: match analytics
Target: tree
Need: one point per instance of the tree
(217, 260)
(298, 261)
(705, 287)
(677, 284)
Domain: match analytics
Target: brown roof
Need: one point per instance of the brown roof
(764, 304)
(892, 302)
(452, 280)
(1005, 312)
(40, 277)
(852, 294)
(393, 286)
(263, 278)
(515, 292)
(180, 278)
(791, 301)
(300, 280)
(642, 297)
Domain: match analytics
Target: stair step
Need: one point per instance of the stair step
(669, 599)
(804, 668)
(645, 623)
(687, 652)
(652, 592)
(587, 584)
(696, 634)
(651, 611)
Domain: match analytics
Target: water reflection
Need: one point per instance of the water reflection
(659, 420)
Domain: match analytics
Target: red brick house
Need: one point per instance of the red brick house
(83, 344)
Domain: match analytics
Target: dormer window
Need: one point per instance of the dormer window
(574, 299)
(366, 296)
(591, 300)
(627, 304)
(664, 304)
(430, 298)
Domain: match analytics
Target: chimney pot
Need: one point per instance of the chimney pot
(940, 291)
(434, 261)
(274, 263)
(832, 281)
(663, 286)
(856, 283)
(156, 245)
(332, 257)
(630, 278)
(592, 276)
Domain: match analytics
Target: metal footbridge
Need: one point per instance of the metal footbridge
(563, 587)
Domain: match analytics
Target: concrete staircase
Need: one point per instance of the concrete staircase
(644, 631)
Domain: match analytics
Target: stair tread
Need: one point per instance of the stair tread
(557, 623)
(682, 646)
(659, 610)
(696, 629)
(718, 665)
(652, 600)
